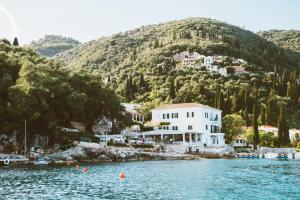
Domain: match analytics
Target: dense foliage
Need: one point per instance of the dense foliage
(50, 96)
(289, 40)
(139, 64)
(51, 45)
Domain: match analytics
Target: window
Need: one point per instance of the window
(168, 116)
(217, 117)
(206, 115)
(190, 127)
(164, 116)
(206, 127)
(192, 114)
(187, 114)
(174, 115)
(175, 128)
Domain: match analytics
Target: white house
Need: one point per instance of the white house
(208, 60)
(187, 61)
(188, 123)
(223, 71)
(132, 109)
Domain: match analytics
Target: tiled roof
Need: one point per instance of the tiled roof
(183, 105)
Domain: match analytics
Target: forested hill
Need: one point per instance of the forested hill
(150, 45)
(140, 65)
(51, 45)
(289, 39)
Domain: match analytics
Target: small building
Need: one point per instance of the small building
(102, 126)
(132, 109)
(187, 61)
(294, 135)
(239, 69)
(268, 129)
(223, 71)
(239, 142)
(187, 123)
(208, 60)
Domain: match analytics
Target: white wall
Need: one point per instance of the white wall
(198, 122)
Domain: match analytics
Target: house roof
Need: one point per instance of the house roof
(184, 105)
(131, 108)
(267, 126)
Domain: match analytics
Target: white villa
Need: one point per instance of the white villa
(187, 123)
(132, 110)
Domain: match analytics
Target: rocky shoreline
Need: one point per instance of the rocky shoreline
(79, 155)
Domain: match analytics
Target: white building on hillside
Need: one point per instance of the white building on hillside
(132, 109)
(190, 123)
(208, 61)
(136, 117)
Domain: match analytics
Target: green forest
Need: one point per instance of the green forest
(49, 96)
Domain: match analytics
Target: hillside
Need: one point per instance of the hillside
(142, 66)
(51, 45)
(287, 39)
(149, 45)
(290, 40)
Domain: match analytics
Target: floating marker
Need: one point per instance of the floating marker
(85, 170)
(122, 176)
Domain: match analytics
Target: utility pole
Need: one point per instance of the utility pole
(25, 141)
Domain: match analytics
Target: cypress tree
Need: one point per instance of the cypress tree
(228, 102)
(172, 92)
(221, 101)
(283, 130)
(262, 115)
(234, 107)
(280, 128)
(142, 83)
(217, 93)
(16, 42)
(255, 126)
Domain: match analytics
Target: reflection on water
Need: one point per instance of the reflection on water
(204, 179)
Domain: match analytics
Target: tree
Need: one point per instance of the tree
(172, 92)
(262, 115)
(283, 130)
(142, 85)
(221, 101)
(232, 126)
(16, 42)
(255, 127)
(248, 135)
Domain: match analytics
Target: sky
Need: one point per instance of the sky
(86, 20)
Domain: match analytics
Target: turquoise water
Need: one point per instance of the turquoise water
(203, 179)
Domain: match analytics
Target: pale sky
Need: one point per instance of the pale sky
(86, 20)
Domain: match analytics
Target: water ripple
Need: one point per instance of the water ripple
(204, 179)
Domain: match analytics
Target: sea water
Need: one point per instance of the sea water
(201, 179)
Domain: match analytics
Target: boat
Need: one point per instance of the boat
(41, 161)
(282, 156)
(7, 159)
(247, 155)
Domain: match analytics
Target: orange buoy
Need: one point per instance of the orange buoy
(85, 170)
(122, 176)
(77, 167)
